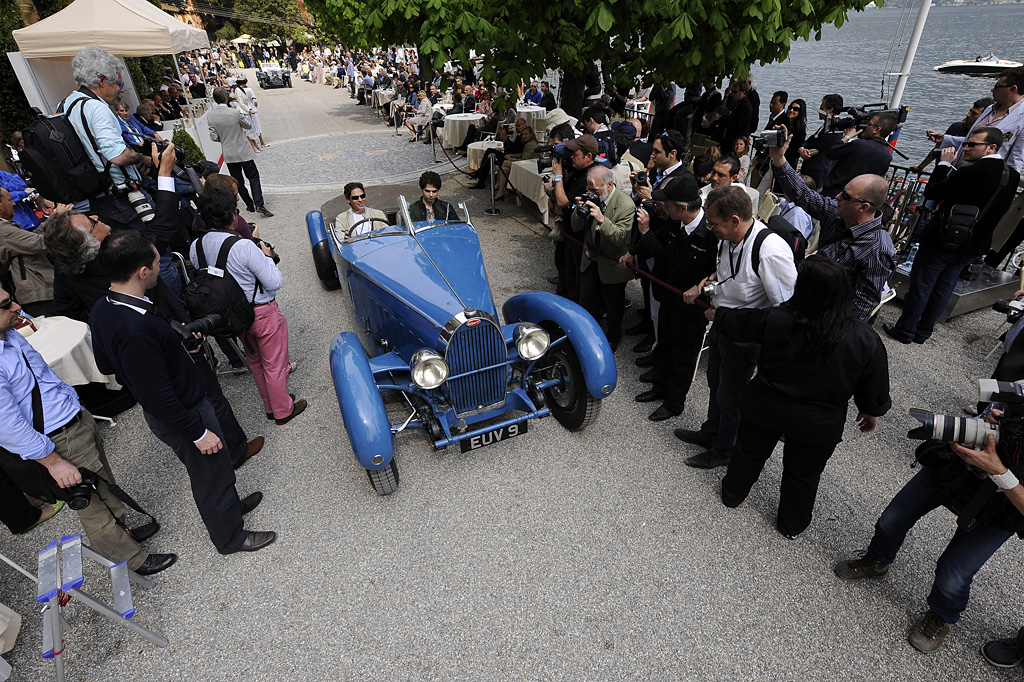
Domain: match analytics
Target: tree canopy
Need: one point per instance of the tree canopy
(662, 40)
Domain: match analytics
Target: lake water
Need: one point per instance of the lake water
(850, 61)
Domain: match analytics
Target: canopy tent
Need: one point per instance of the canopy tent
(245, 38)
(126, 28)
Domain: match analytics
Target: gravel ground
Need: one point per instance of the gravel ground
(555, 556)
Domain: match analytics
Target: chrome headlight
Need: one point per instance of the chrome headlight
(531, 341)
(429, 369)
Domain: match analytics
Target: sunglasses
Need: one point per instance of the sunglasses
(357, 197)
(849, 197)
(794, 108)
(6, 305)
(975, 144)
(999, 86)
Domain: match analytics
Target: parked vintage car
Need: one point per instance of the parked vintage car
(431, 341)
(273, 75)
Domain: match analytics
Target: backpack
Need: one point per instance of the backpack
(782, 227)
(214, 291)
(56, 160)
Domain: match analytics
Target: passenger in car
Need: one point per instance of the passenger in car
(429, 206)
(359, 219)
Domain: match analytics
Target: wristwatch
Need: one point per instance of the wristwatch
(1005, 481)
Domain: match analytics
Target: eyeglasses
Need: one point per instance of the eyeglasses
(6, 305)
(357, 197)
(999, 86)
(976, 144)
(92, 220)
(794, 109)
(119, 84)
(849, 197)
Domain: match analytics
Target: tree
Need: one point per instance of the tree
(278, 10)
(661, 40)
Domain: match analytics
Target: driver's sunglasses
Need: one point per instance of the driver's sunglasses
(849, 197)
(357, 197)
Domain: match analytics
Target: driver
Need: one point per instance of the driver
(355, 195)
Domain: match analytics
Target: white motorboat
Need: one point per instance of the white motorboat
(977, 67)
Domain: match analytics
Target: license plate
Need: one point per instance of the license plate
(499, 434)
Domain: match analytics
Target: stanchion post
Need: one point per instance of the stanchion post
(492, 210)
(433, 139)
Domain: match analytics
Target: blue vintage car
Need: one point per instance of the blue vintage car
(431, 347)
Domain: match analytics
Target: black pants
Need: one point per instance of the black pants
(560, 260)
(212, 476)
(248, 169)
(573, 254)
(15, 511)
(595, 295)
(680, 335)
(802, 464)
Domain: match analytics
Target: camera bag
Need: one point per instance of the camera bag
(963, 218)
(56, 160)
(782, 227)
(214, 291)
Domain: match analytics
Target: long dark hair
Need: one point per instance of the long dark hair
(801, 119)
(821, 304)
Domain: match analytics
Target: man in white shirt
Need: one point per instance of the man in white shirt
(741, 283)
(359, 219)
(727, 171)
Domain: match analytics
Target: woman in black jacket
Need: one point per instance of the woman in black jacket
(814, 357)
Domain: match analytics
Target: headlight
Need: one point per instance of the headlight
(531, 341)
(429, 370)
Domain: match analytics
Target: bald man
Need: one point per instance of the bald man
(852, 233)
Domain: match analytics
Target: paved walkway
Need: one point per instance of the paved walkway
(556, 556)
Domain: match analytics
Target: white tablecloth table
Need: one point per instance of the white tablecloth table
(525, 178)
(66, 345)
(442, 107)
(476, 150)
(382, 97)
(535, 117)
(456, 126)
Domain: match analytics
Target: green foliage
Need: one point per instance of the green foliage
(48, 7)
(183, 140)
(226, 32)
(282, 10)
(147, 72)
(14, 109)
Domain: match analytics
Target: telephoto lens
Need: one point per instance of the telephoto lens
(141, 204)
(972, 432)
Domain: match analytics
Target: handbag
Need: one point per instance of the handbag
(963, 218)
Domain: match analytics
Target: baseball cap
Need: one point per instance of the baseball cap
(678, 188)
(585, 142)
(624, 128)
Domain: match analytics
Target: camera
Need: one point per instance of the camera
(640, 179)
(769, 138)
(583, 210)
(710, 288)
(1009, 433)
(138, 200)
(206, 325)
(858, 117)
(79, 495)
(546, 152)
(1012, 309)
(260, 243)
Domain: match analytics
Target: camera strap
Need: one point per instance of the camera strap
(117, 296)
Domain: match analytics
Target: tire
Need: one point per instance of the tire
(570, 404)
(384, 481)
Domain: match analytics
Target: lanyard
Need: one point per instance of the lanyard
(739, 261)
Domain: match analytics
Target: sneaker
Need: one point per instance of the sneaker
(930, 633)
(866, 566)
(1003, 653)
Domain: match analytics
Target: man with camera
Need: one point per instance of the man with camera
(738, 283)
(24, 252)
(48, 440)
(583, 150)
(684, 254)
(981, 487)
(814, 151)
(852, 232)
(604, 217)
(972, 201)
(864, 152)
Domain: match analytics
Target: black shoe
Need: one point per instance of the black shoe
(553, 280)
(693, 437)
(250, 208)
(647, 377)
(262, 210)
(709, 459)
(155, 563)
(254, 540)
(251, 501)
(645, 345)
(270, 415)
(650, 396)
(1003, 653)
(917, 340)
(661, 414)
(644, 361)
(891, 331)
(144, 532)
(641, 328)
(479, 185)
(297, 408)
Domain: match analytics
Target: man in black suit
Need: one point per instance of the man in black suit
(684, 254)
(777, 109)
(936, 269)
(814, 150)
(865, 154)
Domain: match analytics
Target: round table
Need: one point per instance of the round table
(382, 97)
(476, 150)
(66, 345)
(535, 117)
(442, 107)
(456, 126)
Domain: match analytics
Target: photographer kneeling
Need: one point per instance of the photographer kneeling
(985, 494)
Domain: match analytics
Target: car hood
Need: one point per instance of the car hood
(440, 273)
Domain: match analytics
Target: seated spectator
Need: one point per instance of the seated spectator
(422, 117)
(130, 125)
(24, 253)
(726, 172)
(548, 98)
(24, 214)
(429, 206)
(253, 268)
(147, 115)
(529, 141)
(359, 219)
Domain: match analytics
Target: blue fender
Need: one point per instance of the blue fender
(323, 258)
(362, 408)
(596, 358)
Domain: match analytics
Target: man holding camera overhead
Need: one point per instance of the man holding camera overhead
(47, 436)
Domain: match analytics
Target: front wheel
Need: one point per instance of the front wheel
(570, 403)
(384, 481)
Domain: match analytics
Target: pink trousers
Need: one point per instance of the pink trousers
(267, 354)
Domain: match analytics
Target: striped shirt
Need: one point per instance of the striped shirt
(865, 251)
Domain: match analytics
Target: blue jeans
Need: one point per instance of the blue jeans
(932, 280)
(730, 368)
(965, 554)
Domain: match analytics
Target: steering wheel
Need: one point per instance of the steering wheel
(348, 232)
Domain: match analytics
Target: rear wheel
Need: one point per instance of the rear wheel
(384, 481)
(570, 403)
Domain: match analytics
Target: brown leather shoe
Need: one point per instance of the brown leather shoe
(297, 408)
(270, 415)
(254, 446)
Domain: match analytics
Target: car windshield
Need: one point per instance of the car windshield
(460, 215)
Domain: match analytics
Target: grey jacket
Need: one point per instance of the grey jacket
(226, 127)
